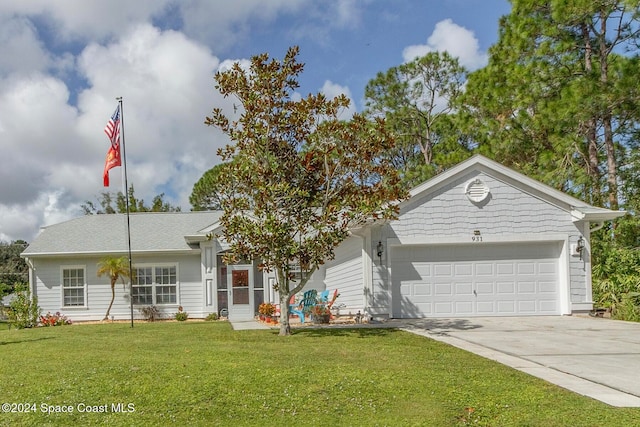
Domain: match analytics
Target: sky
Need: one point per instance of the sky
(64, 63)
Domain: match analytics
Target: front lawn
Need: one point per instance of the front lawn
(204, 373)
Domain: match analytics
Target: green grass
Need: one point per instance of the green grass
(204, 373)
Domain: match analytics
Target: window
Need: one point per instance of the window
(73, 287)
(155, 285)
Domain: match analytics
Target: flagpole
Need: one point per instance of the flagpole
(126, 198)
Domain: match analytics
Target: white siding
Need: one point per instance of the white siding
(345, 274)
(447, 216)
(49, 292)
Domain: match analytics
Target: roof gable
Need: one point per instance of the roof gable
(578, 209)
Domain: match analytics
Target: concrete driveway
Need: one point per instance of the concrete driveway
(595, 357)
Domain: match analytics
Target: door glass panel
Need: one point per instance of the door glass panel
(240, 286)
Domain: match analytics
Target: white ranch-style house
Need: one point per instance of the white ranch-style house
(477, 240)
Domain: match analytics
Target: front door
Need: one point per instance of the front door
(240, 288)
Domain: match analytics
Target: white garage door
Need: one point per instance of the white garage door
(475, 280)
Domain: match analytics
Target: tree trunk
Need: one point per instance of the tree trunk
(113, 297)
(285, 327)
(593, 171)
(612, 174)
(283, 291)
(285, 296)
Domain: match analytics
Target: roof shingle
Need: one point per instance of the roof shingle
(95, 234)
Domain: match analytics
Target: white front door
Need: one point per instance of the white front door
(240, 288)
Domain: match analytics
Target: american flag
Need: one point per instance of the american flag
(112, 129)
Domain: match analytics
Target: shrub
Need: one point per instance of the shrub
(616, 281)
(267, 309)
(54, 319)
(23, 309)
(211, 317)
(150, 313)
(181, 315)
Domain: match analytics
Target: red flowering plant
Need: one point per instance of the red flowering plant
(54, 319)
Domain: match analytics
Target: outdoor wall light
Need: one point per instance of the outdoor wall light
(580, 246)
(380, 249)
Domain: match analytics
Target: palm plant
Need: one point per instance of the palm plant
(115, 268)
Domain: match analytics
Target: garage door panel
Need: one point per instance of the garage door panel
(548, 306)
(548, 268)
(443, 308)
(506, 307)
(526, 287)
(485, 308)
(422, 289)
(464, 288)
(443, 270)
(484, 269)
(476, 280)
(463, 308)
(503, 288)
(443, 289)
(505, 269)
(463, 270)
(546, 287)
(423, 269)
(526, 268)
(485, 288)
(527, 306)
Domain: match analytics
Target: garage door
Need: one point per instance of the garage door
(475, 280)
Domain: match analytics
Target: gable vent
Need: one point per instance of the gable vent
(476, 190)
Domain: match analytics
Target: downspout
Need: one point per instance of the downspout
(597, 227)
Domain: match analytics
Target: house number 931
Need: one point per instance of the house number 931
(476, 238)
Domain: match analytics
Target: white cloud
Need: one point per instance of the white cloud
(57, 151)
(325, 18)
(224, 23)
(81, 19)
(454, 39)
(219, 22)
(21, 49)
(331, 90)
(166, 81)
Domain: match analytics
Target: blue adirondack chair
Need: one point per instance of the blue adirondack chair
(294, 309)
(309, 299)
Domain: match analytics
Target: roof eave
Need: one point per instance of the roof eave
(110, 253)
(595, 214)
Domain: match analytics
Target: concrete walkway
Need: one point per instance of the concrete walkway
(246, 325)
(599, 358)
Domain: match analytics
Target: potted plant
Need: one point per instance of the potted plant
(266, 310)
(321, 313)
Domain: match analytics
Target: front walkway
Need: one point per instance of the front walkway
(246, 325)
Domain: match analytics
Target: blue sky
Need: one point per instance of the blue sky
(65, 62)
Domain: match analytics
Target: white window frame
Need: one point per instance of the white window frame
(154, 285)
(64, 268)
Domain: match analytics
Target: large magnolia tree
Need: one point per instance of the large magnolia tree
(301, 178)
